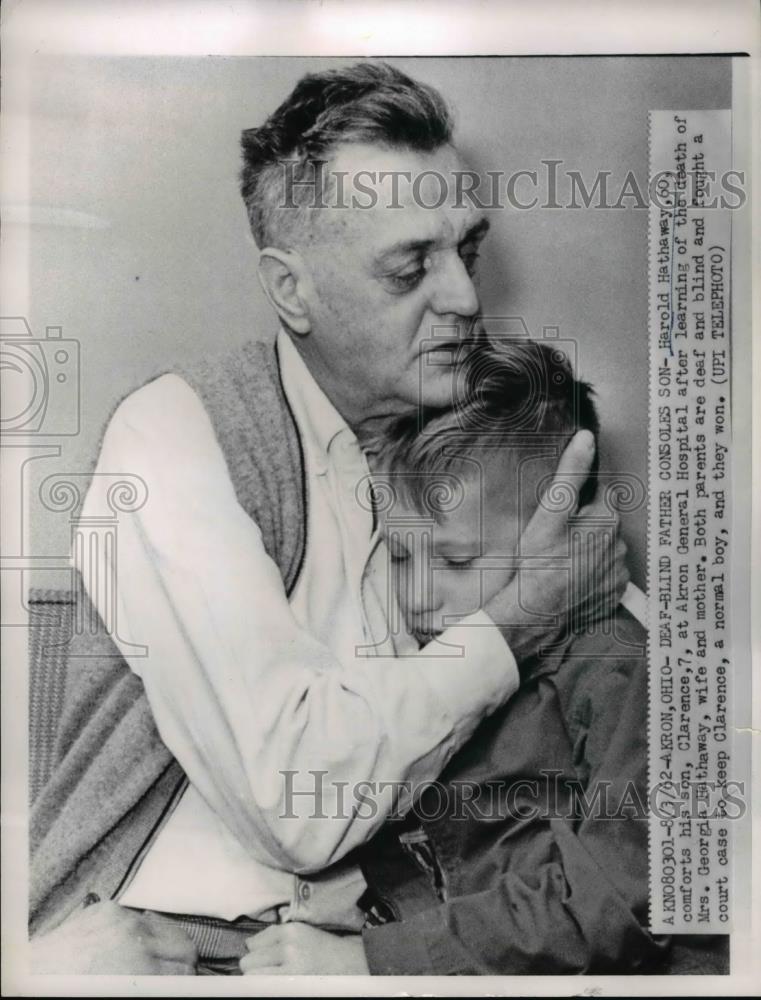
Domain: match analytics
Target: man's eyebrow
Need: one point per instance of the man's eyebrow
(402, 247)
(477, 231)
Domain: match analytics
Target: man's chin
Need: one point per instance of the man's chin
(437, 386)
(438, 379)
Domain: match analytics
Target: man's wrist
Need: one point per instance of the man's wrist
(525, 632)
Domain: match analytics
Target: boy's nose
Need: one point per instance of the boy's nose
(419, 599)
(416, 586)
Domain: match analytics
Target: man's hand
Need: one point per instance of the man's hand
(107, 939)
(598, 574)
(302, 950)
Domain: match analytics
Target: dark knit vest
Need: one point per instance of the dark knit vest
(101, 779)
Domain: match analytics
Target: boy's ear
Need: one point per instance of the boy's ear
(283, 277)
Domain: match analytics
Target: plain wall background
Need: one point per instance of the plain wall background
(161, 265)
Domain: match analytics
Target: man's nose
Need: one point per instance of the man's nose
(454, 291)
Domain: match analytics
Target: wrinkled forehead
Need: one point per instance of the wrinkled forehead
(391, 195)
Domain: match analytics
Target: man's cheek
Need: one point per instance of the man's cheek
(408, 314)
(427, 324)
(346, 291)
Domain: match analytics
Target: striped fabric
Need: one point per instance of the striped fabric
(50, 620)
(220, 943)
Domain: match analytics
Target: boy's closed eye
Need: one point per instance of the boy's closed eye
(458, 562)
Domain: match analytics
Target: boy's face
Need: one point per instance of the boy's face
(446, 568)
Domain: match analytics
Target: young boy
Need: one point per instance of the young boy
(529, 855)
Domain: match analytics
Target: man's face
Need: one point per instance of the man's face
(450, 567)
(388, 280)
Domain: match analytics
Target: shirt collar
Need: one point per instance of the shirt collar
(317, 419)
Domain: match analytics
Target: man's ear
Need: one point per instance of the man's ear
(283, 277)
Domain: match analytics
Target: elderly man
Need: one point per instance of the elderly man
(254, 574)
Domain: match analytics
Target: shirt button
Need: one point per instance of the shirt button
(90, 899)
(305, 891)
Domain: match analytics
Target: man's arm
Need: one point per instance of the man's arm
(240, 692)
(577, 901)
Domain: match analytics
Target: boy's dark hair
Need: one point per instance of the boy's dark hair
(368, 102)
(519, 393)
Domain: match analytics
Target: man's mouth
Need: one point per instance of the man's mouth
(447, 352)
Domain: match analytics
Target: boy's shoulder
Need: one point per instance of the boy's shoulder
(619, 636)
(604, 664)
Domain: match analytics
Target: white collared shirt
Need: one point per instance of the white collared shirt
(245, 684)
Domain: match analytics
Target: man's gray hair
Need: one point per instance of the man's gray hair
(283, 171)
